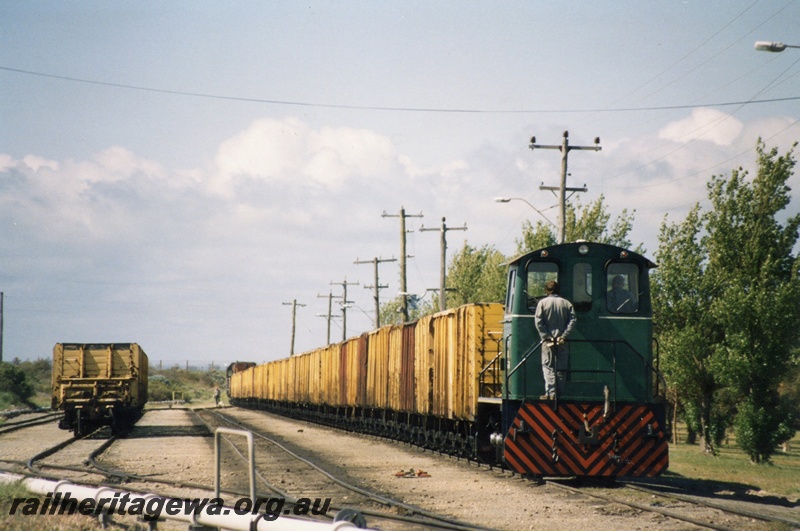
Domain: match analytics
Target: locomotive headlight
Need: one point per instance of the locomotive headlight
(583, 249)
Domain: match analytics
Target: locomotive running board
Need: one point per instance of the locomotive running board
(574, 439)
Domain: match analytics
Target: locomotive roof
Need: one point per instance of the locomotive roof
(569, 248)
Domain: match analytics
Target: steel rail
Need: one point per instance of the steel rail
(718, 506)
(441, 521)
(9, 427)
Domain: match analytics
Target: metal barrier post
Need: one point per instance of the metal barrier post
(251, 458)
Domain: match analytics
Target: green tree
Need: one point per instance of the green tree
(756, 296)
(476, 275)
(683, 326)
(535, 237)
(583, 222)
(732, 321)
(14, 381)
(417, 307)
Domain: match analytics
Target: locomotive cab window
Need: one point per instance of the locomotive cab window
(538, 274)
(582, 287)
(622, 295)
(512, 286)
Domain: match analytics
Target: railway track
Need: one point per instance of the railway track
(276, 458)
(685, 507)
(74, 459)
(26, 422)
(673, 505)
(688, 506)
(77, 460)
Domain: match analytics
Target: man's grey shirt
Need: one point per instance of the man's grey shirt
(555, 317)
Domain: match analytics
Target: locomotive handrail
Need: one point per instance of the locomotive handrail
(496, 366)
(523, 360)
(493, 360)
(520, 364)
(658, 366)
(646, 364)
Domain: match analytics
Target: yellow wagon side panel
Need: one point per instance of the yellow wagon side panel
(394, 367)
(378, 368)
(423, 366)
(331, 373)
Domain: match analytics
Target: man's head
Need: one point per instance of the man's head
(618, 282)
(551, 286)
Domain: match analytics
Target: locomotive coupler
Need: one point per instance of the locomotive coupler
(521, 430)
(588, 435)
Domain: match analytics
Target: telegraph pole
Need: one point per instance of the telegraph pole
(565, 148)
(294, 304)
(344, 304)
(377, 285)
(403, 286)
(330, 315)
(443, 270)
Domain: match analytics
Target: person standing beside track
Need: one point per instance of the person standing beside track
(555, 318)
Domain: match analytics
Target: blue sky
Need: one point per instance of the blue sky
(172, 172)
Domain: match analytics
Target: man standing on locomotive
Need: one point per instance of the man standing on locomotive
(555, 319)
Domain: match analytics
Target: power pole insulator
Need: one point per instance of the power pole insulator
(294, 304)
(344, 304)
(562, 190)
(443, 268)
(377, 286)
(403, 256)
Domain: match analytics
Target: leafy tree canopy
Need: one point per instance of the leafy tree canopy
(727, 302)
(583, 222)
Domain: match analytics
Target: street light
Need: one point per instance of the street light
(507, 199)
(767, 46)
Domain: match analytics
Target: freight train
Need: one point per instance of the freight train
(468, 381)
(99, 384)
(233, 368)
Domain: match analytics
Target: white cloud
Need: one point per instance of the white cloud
(704, 124)
(117, 163)
(446, 169)
(289, 151)
(6, 162)
(35, 163)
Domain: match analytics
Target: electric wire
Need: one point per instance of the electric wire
(399, 109)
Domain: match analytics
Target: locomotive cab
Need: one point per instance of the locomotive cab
(608, 392)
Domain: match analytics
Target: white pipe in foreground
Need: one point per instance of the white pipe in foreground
(66, 496)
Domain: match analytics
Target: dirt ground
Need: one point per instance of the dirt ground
(172, 443)
(488, 498)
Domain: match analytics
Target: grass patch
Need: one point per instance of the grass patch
(732, 467)
(20, 522)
